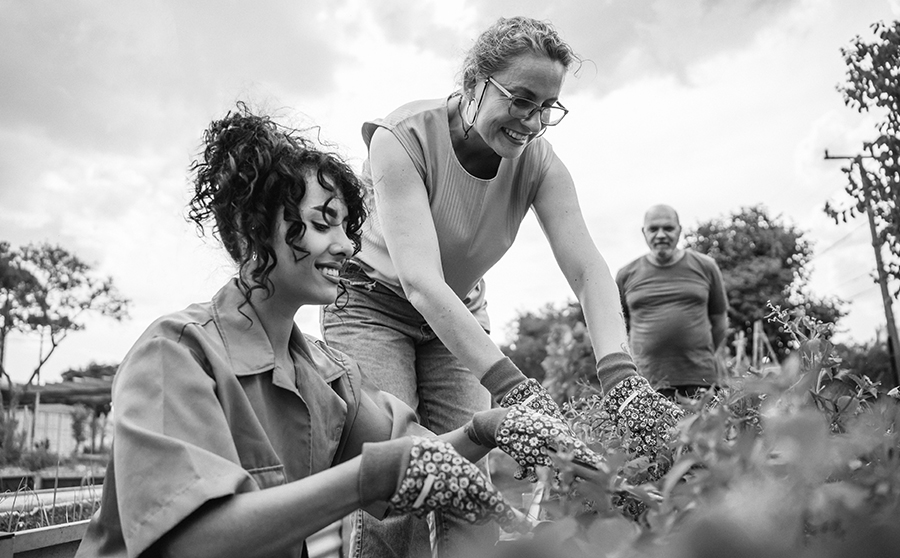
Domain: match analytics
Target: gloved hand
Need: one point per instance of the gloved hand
(528, 437)
(636, 408)
(432, 476)
(510, 387)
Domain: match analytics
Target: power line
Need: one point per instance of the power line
(838, 241)
(860, 293)
(860, 276)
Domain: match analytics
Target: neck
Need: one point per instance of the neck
(277, 319)
(472, 152)
(675, 256)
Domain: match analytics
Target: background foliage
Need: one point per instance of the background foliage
(763, 260)
(873, 86)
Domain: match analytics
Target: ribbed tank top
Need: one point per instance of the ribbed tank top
(476, 219)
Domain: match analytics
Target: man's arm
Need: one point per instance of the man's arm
(719, 325)
(718, 307)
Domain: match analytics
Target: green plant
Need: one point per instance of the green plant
(81, 414)
(38, 458)
(12, 440)
(800, 461)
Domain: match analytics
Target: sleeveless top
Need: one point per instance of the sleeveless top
(476, 219)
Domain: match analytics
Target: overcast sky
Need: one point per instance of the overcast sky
(706, 105)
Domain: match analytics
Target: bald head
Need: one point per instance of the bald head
(662, 211)
(661, 232)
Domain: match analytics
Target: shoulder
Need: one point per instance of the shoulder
(186, 326)
(415, 114)
(538, 155)
(190, 333)
(633, 264)
(331, 355)
(629, 269)
(702, 259)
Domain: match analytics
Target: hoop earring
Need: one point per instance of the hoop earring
(468, 116)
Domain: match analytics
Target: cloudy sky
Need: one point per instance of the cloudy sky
(708, 105)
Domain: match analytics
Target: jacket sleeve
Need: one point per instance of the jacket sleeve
(375, 416)
(173, 451)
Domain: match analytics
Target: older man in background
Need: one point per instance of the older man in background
(675, 308)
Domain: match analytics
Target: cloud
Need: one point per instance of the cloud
(116, 76)
(622, 42)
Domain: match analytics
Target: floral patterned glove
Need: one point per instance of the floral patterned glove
(508, 387)
(634, 407)
(437, 477)
(532, 395)
(528, 437)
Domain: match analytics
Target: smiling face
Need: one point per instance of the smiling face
(661, 232)
(309, 275)
(534, 77)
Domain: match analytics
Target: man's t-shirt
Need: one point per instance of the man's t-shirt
(667, 310)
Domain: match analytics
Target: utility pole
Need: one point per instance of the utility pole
(887, 302)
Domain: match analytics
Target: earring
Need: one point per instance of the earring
(468, 116)
(470, 113)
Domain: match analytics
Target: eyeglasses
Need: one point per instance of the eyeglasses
(523, 109)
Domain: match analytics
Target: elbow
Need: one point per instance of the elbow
(417, 291)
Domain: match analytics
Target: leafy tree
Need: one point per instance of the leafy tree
(93, 370)
(531, 333)
(96, 396)
(17, 300)
(62, 291)
(80, 416)
(763, 260)
(873, 85)
(47, 291)
(867, 359)
(553, 347)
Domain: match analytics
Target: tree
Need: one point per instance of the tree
(17, 300)
(66, 289)
(91, 387)
(763, 260)
(867, 359)
(80, 416)
(873, 86)
(531, 333)
(553, 347)
(46, 290)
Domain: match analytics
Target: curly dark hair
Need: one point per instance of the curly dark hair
(249, 169)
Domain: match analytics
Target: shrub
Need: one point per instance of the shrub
(39, 458)
(800, 461)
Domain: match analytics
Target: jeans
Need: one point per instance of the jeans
(400, 354)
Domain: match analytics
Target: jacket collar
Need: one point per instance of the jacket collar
(248, 346)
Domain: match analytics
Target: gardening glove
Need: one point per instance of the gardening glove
(528, 437)
(636, 408)
(508, 387)
(419, 475)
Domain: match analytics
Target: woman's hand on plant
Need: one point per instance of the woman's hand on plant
(438, 478)
(509, 387)
(532, 395)
(637, 409)
(529, 438)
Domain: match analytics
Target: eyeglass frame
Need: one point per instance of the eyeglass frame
(510, 98)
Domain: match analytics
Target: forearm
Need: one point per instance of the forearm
(719, 327)
(464, 444)
(454, 325)
(598, 295)
(262, 523)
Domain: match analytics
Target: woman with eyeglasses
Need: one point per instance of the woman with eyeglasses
(238, 435)
(451, 181)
